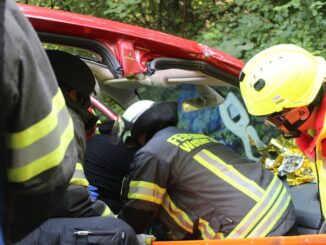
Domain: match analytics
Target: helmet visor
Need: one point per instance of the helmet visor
(120, 130)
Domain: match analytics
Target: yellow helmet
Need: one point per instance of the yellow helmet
(282, 76)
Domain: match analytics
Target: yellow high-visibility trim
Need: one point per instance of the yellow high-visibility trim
(78, 178)
(219, 236)
(79, 166)
(285, 206)
(40, 129)
(147, 185)
(154, 188)
(145, 198)
(107, 211)
(205, 228)
(235, 171)
(175, 213)
(226, 178)
(82, 182)
(271, 211)
(46, 162)
(254, 209)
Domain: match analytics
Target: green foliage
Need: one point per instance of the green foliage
(238, 27)
(246, 27)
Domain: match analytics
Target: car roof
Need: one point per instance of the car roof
(132, 45)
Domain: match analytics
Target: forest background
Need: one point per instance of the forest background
(238, 27)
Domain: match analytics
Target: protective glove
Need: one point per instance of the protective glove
(145, 239)
(92, 192)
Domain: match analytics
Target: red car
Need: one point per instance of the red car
(132, 63)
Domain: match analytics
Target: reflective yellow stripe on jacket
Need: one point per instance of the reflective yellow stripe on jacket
(321, 167)
(146, 191)
(271, 203)
(179, 216)
(229, 174)
(37, 148)
(207, 232)
(79, 177)
(151, 192)
(107, 212)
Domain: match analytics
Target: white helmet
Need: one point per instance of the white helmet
(144, 116)
(122, 127)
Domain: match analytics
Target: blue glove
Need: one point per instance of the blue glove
(92, 192)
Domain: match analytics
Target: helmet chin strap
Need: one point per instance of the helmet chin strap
(293, 131)
(294, 128)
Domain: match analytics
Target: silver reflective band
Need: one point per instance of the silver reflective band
(178, 215)
(142, 190)
(259, 211)
(78, 174)
(229, 174)
(274, 214)
(47, 144)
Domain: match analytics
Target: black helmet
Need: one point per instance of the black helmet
(72, 72)
(159, 116)
(144, 116)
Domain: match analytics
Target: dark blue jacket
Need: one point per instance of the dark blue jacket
(105, 166)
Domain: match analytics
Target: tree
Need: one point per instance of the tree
(245, 27)
(238, 27)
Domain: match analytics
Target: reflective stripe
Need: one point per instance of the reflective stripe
(46, 162)
(275, 213)
(107, 211)
(179, 216)
(229, 174)
(206, 231)
(79, 178)
(43, 146)
(262, 217)
(40, 129)
(258, 211)
(320, 169)
(79, 166)
(219, 236)
(146, 191)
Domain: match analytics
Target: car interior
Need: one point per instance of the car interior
(206, 87)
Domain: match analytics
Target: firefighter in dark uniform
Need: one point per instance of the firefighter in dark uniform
(77, 83)
(79, 219)
(36, 129)
(198, 188)
(106, 165)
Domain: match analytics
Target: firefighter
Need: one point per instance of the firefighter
(78, 218)
(197, 187)
(77, 82)
(286, 84)
(36, 129)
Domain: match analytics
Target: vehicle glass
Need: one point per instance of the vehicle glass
(211, 120)
(201, 102)
(83, 53)
(111, 104)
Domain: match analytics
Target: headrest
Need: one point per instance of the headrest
(71, 71)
